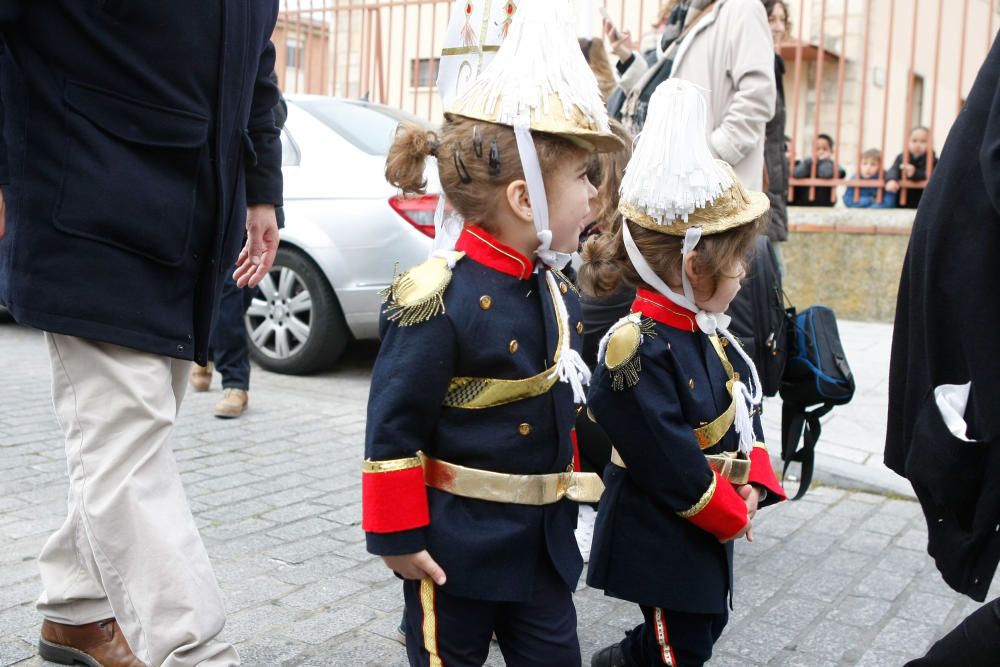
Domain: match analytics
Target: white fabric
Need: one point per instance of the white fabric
(952, 400)
(464, 41)
(447, 228)
(570, 368)
(129, 547)
(691, 238)
(672, 172)
(731, 53)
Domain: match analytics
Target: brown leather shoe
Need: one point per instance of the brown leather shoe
(201, 377)
(99, 644)
(232, 404)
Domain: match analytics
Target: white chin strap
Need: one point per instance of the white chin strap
(570, 367)
(447, 228)
(536, 193)
(709, 323)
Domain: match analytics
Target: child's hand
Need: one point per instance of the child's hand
(418, 566)
(892, 186)
(751, 496)
(909, 170)
(745, 530)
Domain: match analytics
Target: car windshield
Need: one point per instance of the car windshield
(369, 127)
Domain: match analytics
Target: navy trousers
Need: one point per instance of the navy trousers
(229, 348)
(455, 631)
(975, 642)
(673, 638)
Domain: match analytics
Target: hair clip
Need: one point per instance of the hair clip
(477, 140)
(463, 173)
(494, 158)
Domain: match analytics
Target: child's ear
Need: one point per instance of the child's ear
(519, 201)
(691, 269)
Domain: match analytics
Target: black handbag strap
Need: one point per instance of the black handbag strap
(798, 423)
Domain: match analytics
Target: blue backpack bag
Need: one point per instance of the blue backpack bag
(816, 378)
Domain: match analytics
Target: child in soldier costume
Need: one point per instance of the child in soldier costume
(674, 391)
(468, 479)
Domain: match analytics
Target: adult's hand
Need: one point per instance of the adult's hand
(257, 256)
(620, 41)
(892, 186)
(417, 565)
(3, 214)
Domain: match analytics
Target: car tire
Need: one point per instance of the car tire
(295, 323)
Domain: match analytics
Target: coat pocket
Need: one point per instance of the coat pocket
(947, 472)
(131, 173)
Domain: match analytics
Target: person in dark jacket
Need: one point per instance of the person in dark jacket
(943, 426)
(911, 167)
(138, 143)
(775, 148)
(229, 348)
(825, 168)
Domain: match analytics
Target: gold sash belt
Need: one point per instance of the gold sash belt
(730, 465)
(501, 487)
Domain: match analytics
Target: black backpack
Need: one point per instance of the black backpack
(759, 318)
(817, 377)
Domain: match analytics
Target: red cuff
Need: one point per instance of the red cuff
(720, 511)
(762, 473)
(393, 496)
(576, 451)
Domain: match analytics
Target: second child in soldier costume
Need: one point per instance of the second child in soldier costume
(674, 391)
(468, 478)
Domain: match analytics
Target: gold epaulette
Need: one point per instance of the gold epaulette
(621, 349)
(418, 295)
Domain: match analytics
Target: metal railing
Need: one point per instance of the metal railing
(858, 70)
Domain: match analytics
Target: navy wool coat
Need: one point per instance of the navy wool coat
(134, 135)
(947, 318)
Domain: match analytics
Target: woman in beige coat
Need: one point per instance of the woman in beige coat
(726, 48)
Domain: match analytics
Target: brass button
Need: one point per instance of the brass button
(725, 342)
(563, 288)
(513, 346)
(579, 409)
(691, 384)
(485, 302)
(579, 327)
(524, 429)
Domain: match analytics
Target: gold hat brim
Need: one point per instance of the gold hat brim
(576, 126)
(733, 208)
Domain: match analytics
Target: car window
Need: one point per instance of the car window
(370, 128)
(290, 155)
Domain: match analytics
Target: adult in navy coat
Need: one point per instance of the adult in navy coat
(135, 134)
(947, 318)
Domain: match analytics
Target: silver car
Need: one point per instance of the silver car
(346, 233)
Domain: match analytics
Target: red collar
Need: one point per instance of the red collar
(663, 310)
(482, 247)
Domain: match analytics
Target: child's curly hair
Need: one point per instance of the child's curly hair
(606, 264)
(476, 161)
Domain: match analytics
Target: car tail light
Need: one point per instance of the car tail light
(418, 211)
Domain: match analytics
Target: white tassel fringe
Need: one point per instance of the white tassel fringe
(570, 368)
(672, 171)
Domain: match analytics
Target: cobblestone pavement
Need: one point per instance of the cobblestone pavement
(840, 578)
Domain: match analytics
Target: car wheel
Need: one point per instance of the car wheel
(294, 322)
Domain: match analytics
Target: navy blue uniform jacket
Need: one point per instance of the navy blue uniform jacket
(498, 323)
(643, 550)
(134, 134)
(947, 318)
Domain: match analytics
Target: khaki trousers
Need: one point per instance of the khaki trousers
(129, 547)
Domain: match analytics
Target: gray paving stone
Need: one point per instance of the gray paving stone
(829, 640)
(862, 612)
(884, 584)
(905, 636)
